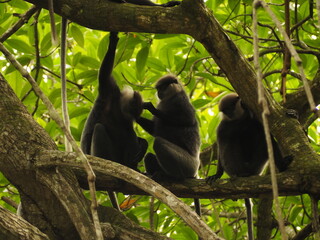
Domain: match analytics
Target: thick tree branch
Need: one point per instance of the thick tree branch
(113, 16)
(290, 183)
(14, 227)
(148, 185)
(193, 18)
(51, 198)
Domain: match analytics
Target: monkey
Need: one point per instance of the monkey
(149, 3)
(108, 131)
(242, 147)
(175, 128)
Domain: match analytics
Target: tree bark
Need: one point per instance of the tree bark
(13, 227)
(193, 18)
(51, 198)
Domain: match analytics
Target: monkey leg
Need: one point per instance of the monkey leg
(143, 146)
(101, 144)
(151, 164)
(174, 160)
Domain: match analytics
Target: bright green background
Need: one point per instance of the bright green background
(141, 59)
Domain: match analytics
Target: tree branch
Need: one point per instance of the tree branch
(54, 158)
(14, 227)
(290, 182)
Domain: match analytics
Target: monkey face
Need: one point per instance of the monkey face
(169, 90)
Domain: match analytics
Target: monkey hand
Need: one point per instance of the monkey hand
(212, 179)
(148, 105)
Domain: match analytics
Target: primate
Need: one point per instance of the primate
(108, 132)
(176, 133)
(149, 3)
(242, 147)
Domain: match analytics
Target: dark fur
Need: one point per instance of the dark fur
(242, 148)
(176, 133)
(108, 132)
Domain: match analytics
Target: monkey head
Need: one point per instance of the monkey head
(168, 86)
(131, 103)
(231, 107)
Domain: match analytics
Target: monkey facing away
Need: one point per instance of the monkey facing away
(242, 147)
(175, 128)
(108, 132)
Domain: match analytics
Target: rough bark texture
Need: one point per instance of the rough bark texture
(51, 197)
(193, 18)
(9, 222)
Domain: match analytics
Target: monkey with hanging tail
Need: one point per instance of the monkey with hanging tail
(176, 131)
(108, 131)
(242, 147)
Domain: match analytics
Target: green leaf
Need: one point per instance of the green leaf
(89, 62)
(103, 47)
(156, 64)
(77, 35)
(20, 45)
(234, 6)
(46, 43)
(77, 112)
(142, 58)
(199, 103)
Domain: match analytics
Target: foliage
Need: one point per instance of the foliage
(141, 59)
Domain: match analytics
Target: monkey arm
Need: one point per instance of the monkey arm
(106, 82)
(155, 112)
(146, 124)
(159, 114)
(149, 106)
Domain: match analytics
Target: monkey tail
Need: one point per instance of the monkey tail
(248, 204)
(197, 207)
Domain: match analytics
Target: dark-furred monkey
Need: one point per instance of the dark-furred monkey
(175, 128)
(108, 132)
(242, 147)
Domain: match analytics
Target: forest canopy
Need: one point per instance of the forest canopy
(209, 46)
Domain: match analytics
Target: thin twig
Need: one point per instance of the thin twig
(54, 36)
(114, 169)
(23, 19)
(63, 55)
(294, 54)
(318, 12)
(56, 117)
(265, 112)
